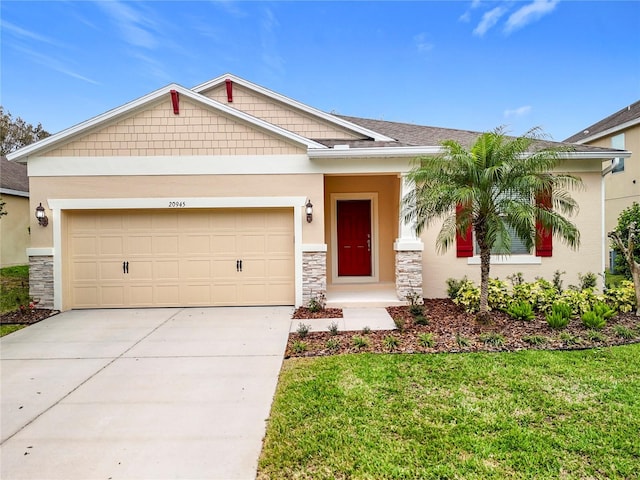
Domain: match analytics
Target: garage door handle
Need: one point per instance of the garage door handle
(125, 267)
(240, 265)
(237, 265)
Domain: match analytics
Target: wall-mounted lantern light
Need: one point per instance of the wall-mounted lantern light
(42, 218)
(309, 210)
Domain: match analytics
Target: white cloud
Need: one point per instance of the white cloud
(422, 44)
(21, 32)
(489, 19)
(54, 64)
(529, 13)
(466, 16)
(518, 112)
(270, 55)
(136, 25)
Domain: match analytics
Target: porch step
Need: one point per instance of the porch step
(363, 296)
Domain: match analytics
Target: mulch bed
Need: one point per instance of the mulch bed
(305, 313)
(455, 330)
(26, 317)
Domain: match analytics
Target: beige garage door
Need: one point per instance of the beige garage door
(180, 258)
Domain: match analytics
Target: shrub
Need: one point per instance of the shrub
(521, 311)
(534, 339)
(421, 320)
(593, 321)
(391, 342)
(454, 286)
(414, 298)
(462, 341)
(540, 294)
(603, 310)
(333, 343)
(623, 297)
(580, 301)
(416, 310)
(317, 303)
(557, 280)
(570, 339)
(299, 346)
(360, 342)
(366, 330)
(468, 296)
(499, 297)
(516, 278)
(588, 280)
(333, 328)
(492, 338)
(596, 336)
(559, 316)
(303, 330)
(623, 332)
(426, 340)
(399, 322)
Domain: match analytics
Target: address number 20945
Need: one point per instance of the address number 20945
(177, 204)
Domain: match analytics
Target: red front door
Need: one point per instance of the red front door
(354, 238)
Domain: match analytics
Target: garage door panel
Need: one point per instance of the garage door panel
(140, 295)
(111, 245)
(193, 244)
(165, 245)
(167, 295)
(181, 257)
(112, 295)
(138, 244)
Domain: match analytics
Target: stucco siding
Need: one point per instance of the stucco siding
(437, 268)
(180, 187)
(14, 231)
(158, 131)
(280, 114)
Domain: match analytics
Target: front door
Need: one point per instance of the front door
(354, 238)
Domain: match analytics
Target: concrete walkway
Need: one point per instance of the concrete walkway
(140, 394)
(353, 320)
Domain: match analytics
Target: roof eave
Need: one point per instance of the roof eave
(609, 131)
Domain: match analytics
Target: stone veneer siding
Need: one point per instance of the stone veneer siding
(409, 274)
(314, 275)
(41, 280)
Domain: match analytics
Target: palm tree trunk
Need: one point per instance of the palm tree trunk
(485, 265)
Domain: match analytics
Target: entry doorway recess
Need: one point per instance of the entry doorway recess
(354, 238)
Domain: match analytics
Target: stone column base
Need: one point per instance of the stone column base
(314, 276)
(41, 280)
(409, 274)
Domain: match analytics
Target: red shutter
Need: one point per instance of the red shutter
(544, 237)
(464, 243)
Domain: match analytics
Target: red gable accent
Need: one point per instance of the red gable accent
(175, 101)
(229, 90)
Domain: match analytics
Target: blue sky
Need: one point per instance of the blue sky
(474, 65)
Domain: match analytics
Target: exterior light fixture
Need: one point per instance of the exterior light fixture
(309, 211)
(42, 218)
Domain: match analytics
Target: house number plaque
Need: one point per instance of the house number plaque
(177, 204)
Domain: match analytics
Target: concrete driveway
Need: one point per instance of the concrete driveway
(140, 394)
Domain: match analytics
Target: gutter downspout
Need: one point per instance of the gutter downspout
(603, 247)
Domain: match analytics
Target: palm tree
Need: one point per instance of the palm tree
(501, 186)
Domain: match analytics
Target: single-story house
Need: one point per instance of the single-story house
(232, 194)
(14, 226)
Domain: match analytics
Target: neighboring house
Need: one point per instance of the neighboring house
(14, 226)
(622, 179)
(199, 197)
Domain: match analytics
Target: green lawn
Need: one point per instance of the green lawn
(14, 288)
(530, 414)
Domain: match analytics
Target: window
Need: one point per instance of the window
(517, 246)
(618, 143)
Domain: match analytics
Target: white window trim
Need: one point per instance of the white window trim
(508, 260)
(375, 264)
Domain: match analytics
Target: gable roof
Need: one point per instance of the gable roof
(13, 178)
(621, 120)
(410, 135)
(335, 119)
(138, 104)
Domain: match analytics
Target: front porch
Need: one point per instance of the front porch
(363, 295)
